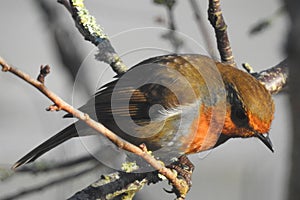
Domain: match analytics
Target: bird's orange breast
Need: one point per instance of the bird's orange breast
(204, 130)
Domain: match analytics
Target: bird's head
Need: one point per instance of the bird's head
(250, 108)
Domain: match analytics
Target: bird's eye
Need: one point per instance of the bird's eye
(240, 114)
(239, 117)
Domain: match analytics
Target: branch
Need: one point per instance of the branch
(66, 46)
(51, 183)
(44, 167)
(265, 23)
(274, 79)
(59, 104)
(49, 167)
(87, 26)
(116, 185)
(216, 19)
(121, 184)
(171, 35)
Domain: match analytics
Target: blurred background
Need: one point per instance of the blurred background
(239, 169)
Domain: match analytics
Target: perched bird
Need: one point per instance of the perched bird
(176, 104)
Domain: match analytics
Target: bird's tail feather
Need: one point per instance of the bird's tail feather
(49, 144)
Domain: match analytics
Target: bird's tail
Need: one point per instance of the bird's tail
(49, 144)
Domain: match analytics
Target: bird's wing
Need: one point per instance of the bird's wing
(146, 102)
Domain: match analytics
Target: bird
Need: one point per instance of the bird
(176, 104)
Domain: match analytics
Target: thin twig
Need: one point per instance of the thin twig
(44, 167)
(62, 105)
(49, 184)
(66, 46)
(265, 23)
(58, 166)
(171, 35)
(216, 19)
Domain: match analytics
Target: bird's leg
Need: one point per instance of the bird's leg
(184, 168)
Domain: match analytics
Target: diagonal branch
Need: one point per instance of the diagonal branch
(64, 43)
(91, 31)
(60, 104)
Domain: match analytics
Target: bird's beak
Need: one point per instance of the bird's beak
(266, 140)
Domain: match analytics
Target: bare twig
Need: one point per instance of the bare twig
(171, 35)
(180, 185)
(44, 167)
(57, 166)
(66, 46)
(216, 19)
(49, 184)
(87, 26)
(265, 23)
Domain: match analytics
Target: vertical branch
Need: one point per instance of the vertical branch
(171, 35)
(216, 19)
